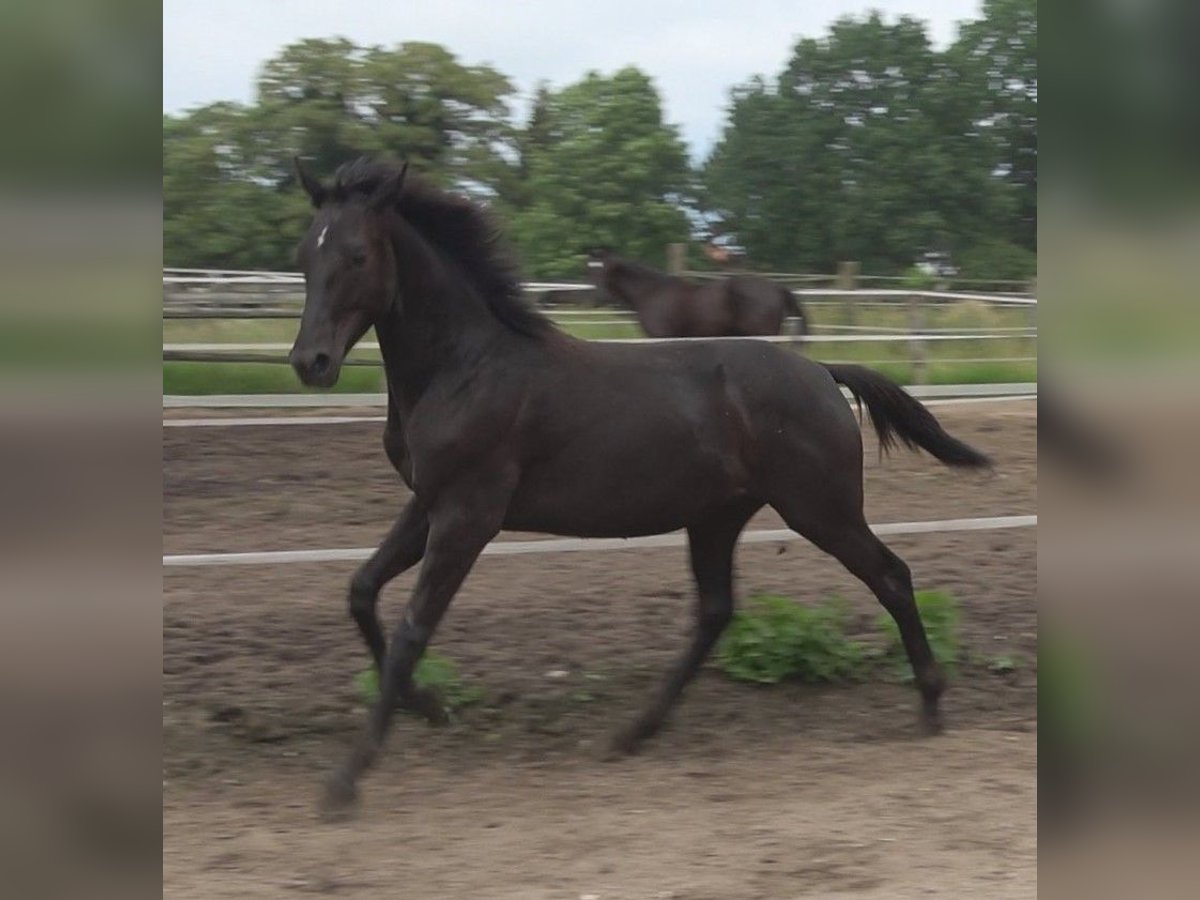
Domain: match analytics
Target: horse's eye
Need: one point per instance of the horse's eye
(358, 258)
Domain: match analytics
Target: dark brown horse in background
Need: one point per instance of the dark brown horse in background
(498, 420)
(669, 306)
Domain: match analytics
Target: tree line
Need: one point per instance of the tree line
(870, 145)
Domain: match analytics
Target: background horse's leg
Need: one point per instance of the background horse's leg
(401, 550)
(459, 529)
(849, 539)
(711, 545)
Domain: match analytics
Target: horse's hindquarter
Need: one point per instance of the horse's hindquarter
(620, 441)
(710, 312)
(757, 305)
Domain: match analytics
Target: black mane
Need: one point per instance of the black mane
(461, 229)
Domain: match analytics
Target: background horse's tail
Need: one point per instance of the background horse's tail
(898, 417)
(797, 321)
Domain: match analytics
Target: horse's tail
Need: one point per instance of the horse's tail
(898, 417)
(797, 321)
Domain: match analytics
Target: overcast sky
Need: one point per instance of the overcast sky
(695, 50)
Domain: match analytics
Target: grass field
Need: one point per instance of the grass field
(948, 362)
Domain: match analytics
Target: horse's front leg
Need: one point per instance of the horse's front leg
(461, 523)
(401, 550)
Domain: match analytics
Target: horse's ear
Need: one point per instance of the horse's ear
(315, 190)
(388, 193)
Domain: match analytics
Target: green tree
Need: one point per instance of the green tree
(601, 168)
(996, 60)
(330, 100)
(997, 259)
(866, 147)
(228, 193)
(219, 206)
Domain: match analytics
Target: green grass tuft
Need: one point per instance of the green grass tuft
(434, 671)
(775, 638)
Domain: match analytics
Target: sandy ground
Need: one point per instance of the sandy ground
(788, 791)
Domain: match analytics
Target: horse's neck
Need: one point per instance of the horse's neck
(637, 285)
(437, 324)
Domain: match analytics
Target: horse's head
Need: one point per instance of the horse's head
(349, 270)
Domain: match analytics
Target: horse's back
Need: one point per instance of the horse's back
(768, 379)
(778, 375)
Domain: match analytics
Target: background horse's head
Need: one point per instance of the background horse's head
(349, 268)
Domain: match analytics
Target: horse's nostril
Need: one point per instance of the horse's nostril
(320, 364)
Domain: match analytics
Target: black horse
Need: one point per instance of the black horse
(669, 306)
(496, 419)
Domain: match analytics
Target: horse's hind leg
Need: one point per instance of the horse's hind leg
(849, 539)
(711, 545)
(402, 549)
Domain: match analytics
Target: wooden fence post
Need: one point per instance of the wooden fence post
(676, 257)
(847, 280)
(1033, 317)
(917, 351)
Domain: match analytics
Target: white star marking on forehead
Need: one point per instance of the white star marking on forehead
(321, 236)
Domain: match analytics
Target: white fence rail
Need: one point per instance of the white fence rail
(227, 294)
(927, 393)
(201, 278)
(773, 338)
(506, 547)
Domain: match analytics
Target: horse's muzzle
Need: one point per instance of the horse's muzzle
(315, 368)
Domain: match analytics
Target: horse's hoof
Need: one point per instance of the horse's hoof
(428, 705)
(624, 743)
(618, 748)
(932, 722)
(339, 800)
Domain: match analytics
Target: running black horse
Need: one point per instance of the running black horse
(669, 306)
(496, 419)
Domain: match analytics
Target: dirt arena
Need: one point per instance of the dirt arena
(751, 792)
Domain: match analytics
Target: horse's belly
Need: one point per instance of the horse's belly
(610, 523)
(606, 501)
